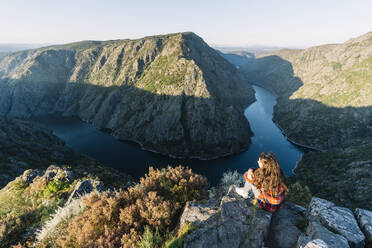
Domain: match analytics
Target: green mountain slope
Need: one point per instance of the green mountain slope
(172, 94)
(342, 175)
(324, 91)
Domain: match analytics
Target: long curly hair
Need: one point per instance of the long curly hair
(270, 176)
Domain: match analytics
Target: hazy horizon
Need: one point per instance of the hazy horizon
(287, 23)
(25, 46)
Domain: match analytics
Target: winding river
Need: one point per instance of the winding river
(130, 158)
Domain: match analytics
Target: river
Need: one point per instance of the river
(130, 158)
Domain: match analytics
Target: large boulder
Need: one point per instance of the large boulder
(339, 220)
(199, 213)
(285, 226)
(54, 172)
(85, 187)
(315, 230)
(29, 175)
(236, 224)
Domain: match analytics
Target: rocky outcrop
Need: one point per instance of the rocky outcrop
(29, 175)
(337, 219)
(230, 221)
(54, 172)
(200, 213)
(286, 226)
(315, 231)
(172, 94)
(85, 187)
(235, 222)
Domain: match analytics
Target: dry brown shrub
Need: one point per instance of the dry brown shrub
(119, 219)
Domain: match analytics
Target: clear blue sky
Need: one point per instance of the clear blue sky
(290, 23)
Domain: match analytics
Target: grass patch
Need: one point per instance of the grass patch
(177, 242)
(149, 239)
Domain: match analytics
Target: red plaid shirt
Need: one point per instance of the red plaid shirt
(266, 200)
(271, 203)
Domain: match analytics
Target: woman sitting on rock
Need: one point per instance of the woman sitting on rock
(266, 182)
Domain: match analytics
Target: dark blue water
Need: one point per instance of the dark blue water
(128, 157)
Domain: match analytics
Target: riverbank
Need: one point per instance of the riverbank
(129, 157)
(281, 129)
(295, 143)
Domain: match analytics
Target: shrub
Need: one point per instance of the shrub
(55, 186)
(139, 215)
(150, 239)
(299, 195)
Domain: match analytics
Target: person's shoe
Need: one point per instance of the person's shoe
(241, 192)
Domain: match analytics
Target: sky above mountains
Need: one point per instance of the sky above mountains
(284, 23)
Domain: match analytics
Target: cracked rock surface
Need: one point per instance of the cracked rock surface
(236, 222)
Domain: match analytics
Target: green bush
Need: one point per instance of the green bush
(150, 239)
(55, 186)
(299, 195)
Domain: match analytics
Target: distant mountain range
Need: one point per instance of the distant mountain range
(257, 50)
(7, 48)
(240, 56)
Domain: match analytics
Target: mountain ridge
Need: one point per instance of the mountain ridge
(134, 87)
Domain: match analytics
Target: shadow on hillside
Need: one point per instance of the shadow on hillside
(211, 127)
(308, 121)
